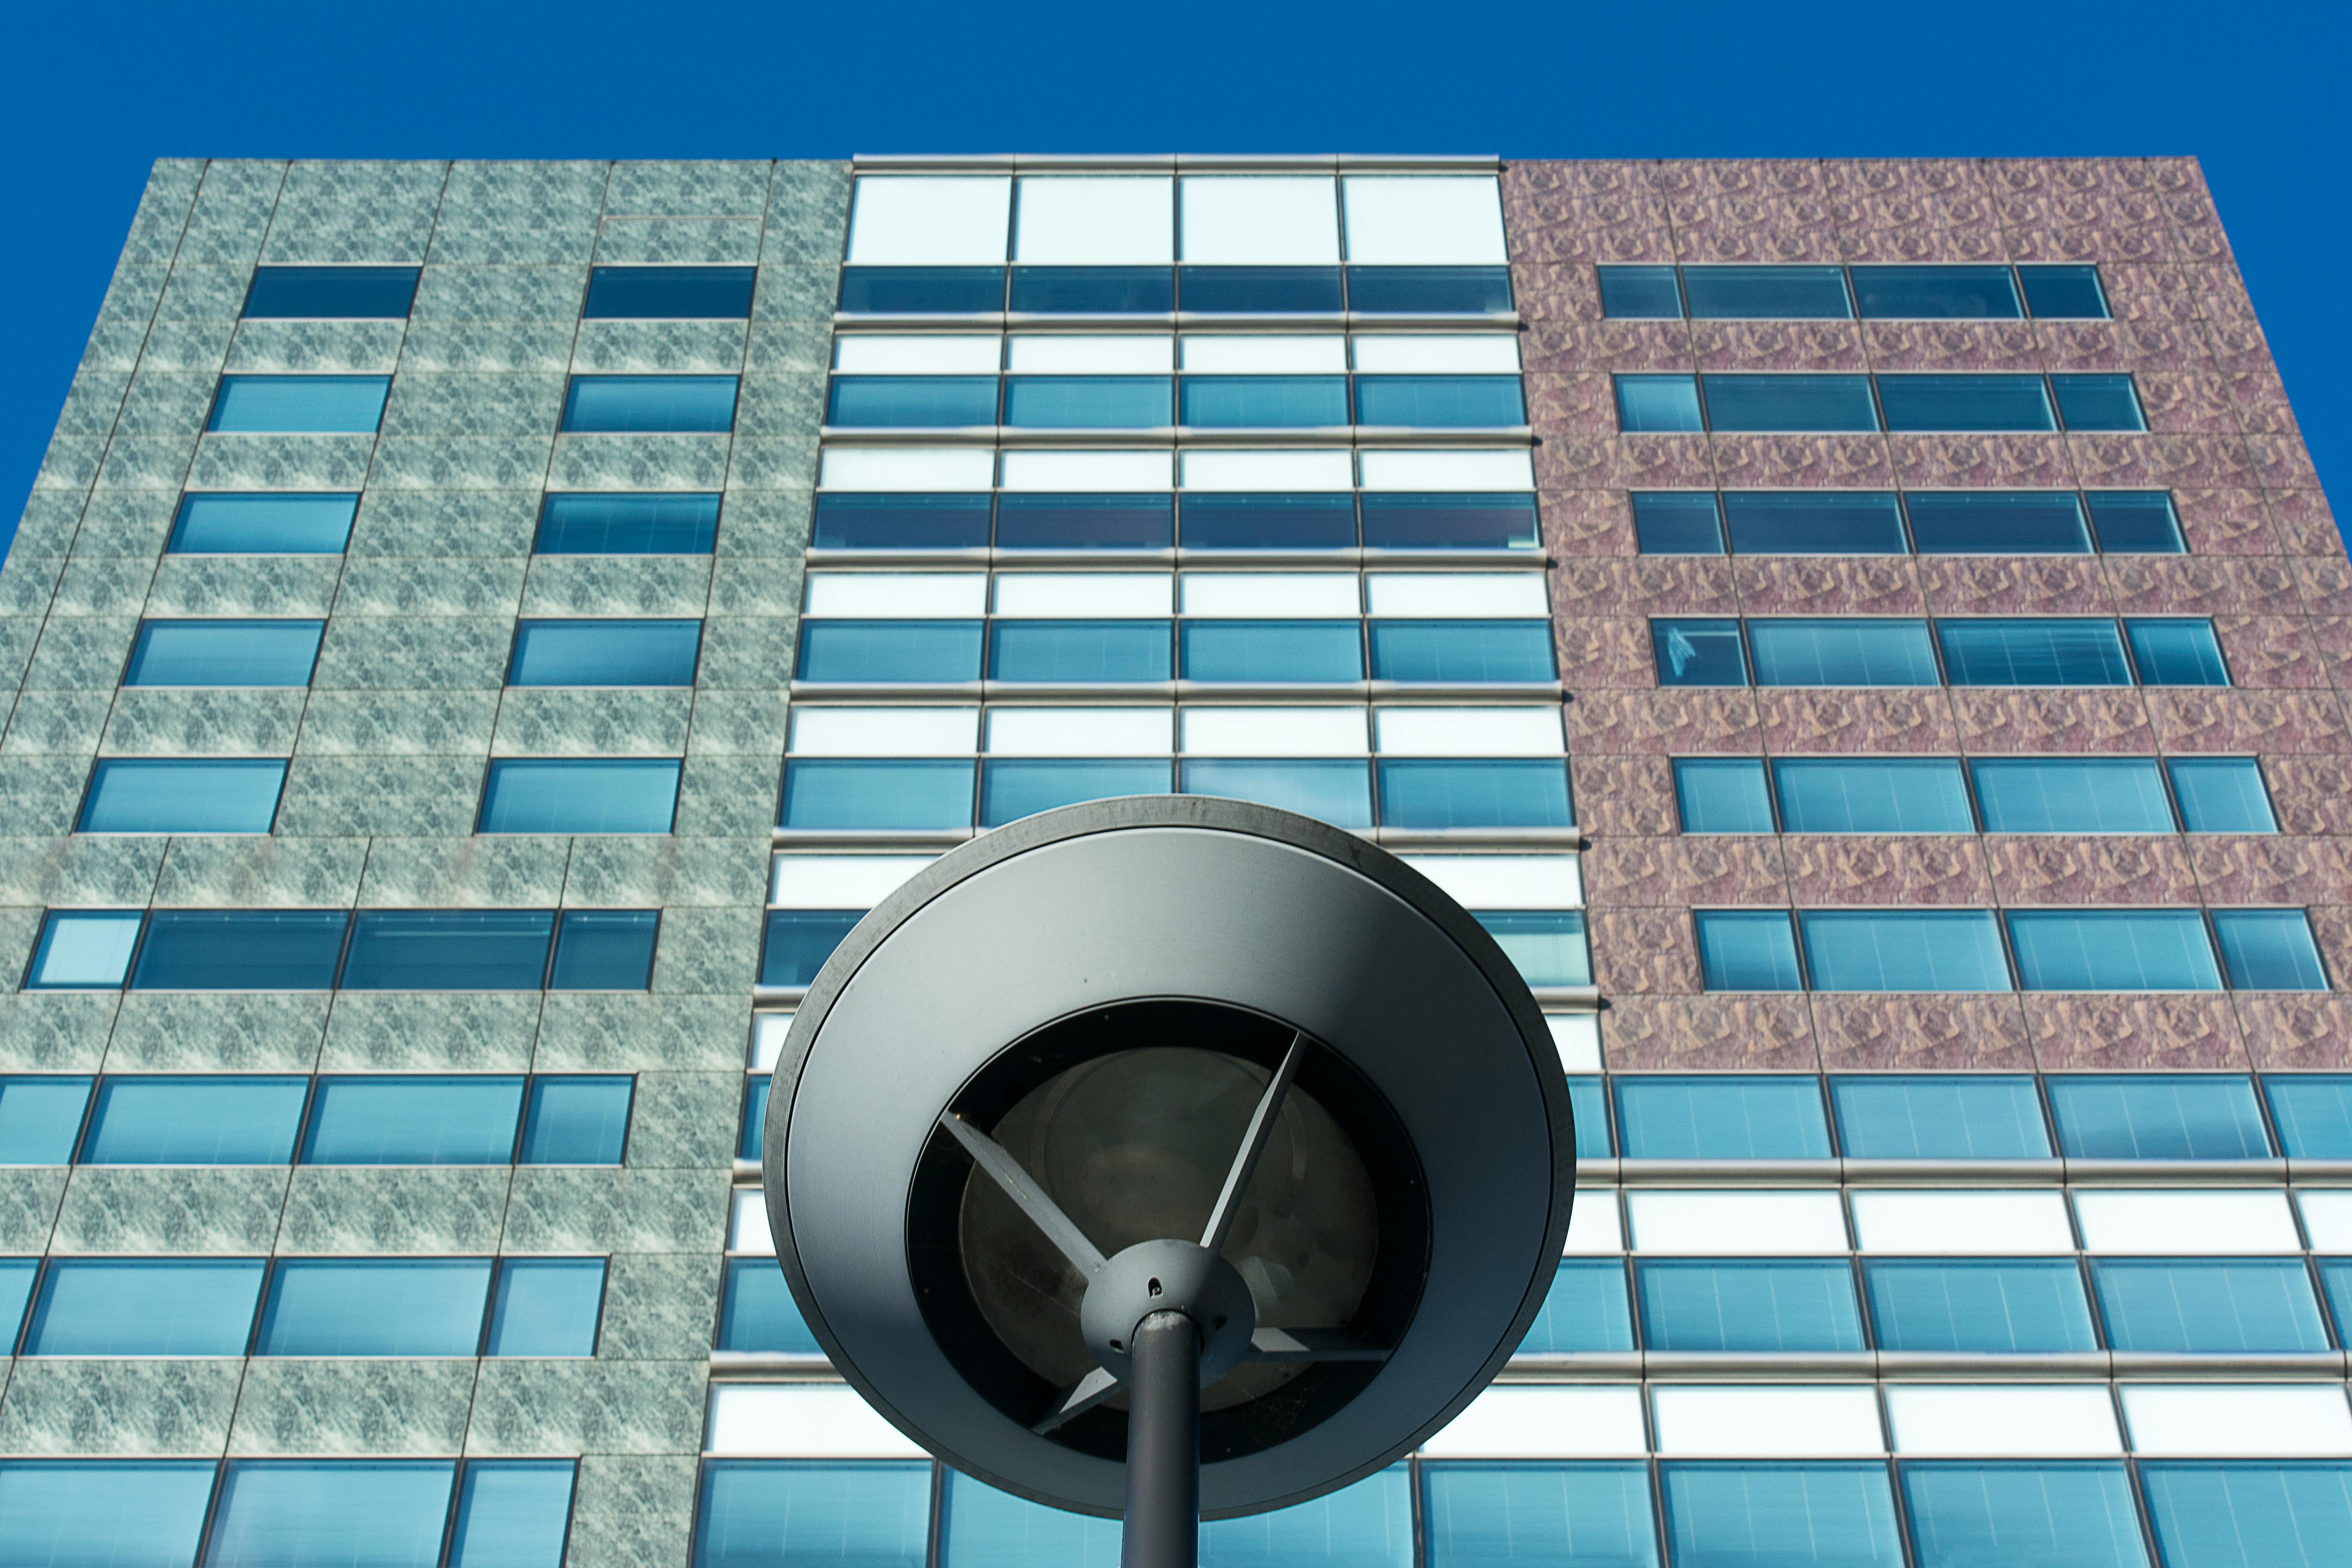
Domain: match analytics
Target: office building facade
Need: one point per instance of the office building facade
(1866, 639)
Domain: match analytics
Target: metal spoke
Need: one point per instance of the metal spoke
(1312, 1344)
(1023, 1189)
(1082, 1396)
(1261, 1128)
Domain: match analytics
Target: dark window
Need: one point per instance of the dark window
(1735, 403)
(1338, 792)
(331, 293)
(229, 524)
(1935, 292)
(755, 1120)
(1436, 793)
(1259, 290)
(1429, 290)
(448, 950)
(1677, 522)
(580, 794)
(1439, 401)
(756, 1312)
(2177, 653)
(1085, 402)
(1653, 404)
(181, 795)
(583, 522)
(1547, 946)
(298, 405)
(1813, 522)
(1766, 293)
(1273, 651)
(1086, 522)
(2136, 522)
(1640, 292)
(1996, 522)
(2098, 403)
(2047, 652)
(649, 404)
(1245, 402)
(1269, 521)
(1965, 403)
(1094, 291)
(1699, 653)
(1011, 788)
(1401, 522)
(890, 522)
(240, 950)
(892, 793)
(911, 402)
(800, 941)
(2059, 293)
(921, 290)
(576, 1121)
(604, 653)
(889, 651)
(604, 950)
(669, 293)
(2313, 1112)
(1462, 650)
(224, 653)
(1079, 651)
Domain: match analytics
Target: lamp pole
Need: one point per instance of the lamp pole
(1164, 1446)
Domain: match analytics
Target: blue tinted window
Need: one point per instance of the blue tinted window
(882, 793)
(263, 524)
(921, 290)
(1445, 793)
(1488, 1515)
(1588, 1100)
(195, 1121)
(2221, 795)
(1547, 946)
(1698, 653)
(1086, 402)
(1079, 651)
(1339, 792)
(1996, 522)
(669, 293)
(604, 950)
(2313, 1113)
(1011, 788)
(1086, 523)
(375, 1306)
(2064, 291)
(901, 521)
(448, 950)
(181, 795)
(1647, 404)
(511, 1514)
(604, 653)
(330, 293)
(1747, 950)
(224, 653)
(1787, 1304)
(2072, 794)
(2007, 1305)
(1722, 795)
(1429, 290)
(585, 522)
(616, 405)
(1777, 1117)
(980, 1527)
(2177, 653)
(1931, 293)
(1274, 521)
(1780, 1516)
(1585, 1309)
(1394, 520)
(1677, 522)
(757, 1513)
(1958, 1118)
(1903, 950)
(1866, 794)
(2260, 1515)
(893, 651)
(1814, 523)
(755, 1117)
(1439, 401)
(2335, 1280)
(756, 1312)
(145, 1306)
(120, 1513)
(546, 1306)
(2112, 950)
(1639, 291)
(240, 950)
(413, 1121)
(1272, 650)
(2269, 950)
(41, 1118)
(1462, 650)
(2050, 652)
(604, 795)
(1735, 403)
(2138, 522)
(2038, 1515)
(2236, 1306)
(16, 1276)
(1840, 653)
(2097, 401)
(1965, 403)
(1259, 290)
(1240, 402)
(800, 941)
(298, 405)
(576, 1121)
(911, 402)
(1766, 293)
(354, 1513)
(1095, 290)
(83, 950)
(2156, 1116)
(1366, 1525)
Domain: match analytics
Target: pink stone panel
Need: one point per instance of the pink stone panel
(1704, 868)
(2014, 585)
(2071, 868)
(2310, 795)
(2192, 719)
(1625, 796)
(1559, 211)
(2202, 585)
(1646, 584)
(1586, 523)
(1801, 720)
(2333, 635)
(1623, 463)
(1582, 405)
(2037, 719)
(1954, 346)
(2187, 400)
(1664, 723)
(1803, 462)
(2149, 293)
(1777, 345)
(1748, 226)
(1549, 292)
(1829, 585)
(2101, 1032)
(2290, 1031)
(1643, 952)
(1901, 1032)
(2266, 651)
(1982, 462)
(2237, 345)
(2270, 869)
(2306, 526)
(1709, 1034)
(1604, 651)
(2280, 462)
(1867, 868)
(1561, 347)
(2141, 344)
(2224, 522)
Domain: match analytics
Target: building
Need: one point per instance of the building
(1915, 566)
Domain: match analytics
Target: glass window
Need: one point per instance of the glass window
(604, 950)
(1400, 521)
(800, 941)
(1774, 1117)
(759, 1513)
(614, 404)
(1766, 293)
(1462, 650)
(414, 1120)
(2269, 950)
(1264, 401)
(891, 521)
(120, 1513)
(1698, 653)
(2237, 1306)
(1650, 403)
(669, 293)
(1271, 521)
(2004, 1306)
(2112, 950)
(895, 792)
(1086, 523)
(1737, 403)
(1449, 793)
(2061, 292)
(1260, 290)
(2069, 795)
(756, 1312)
(889, 651)
(1366, 1525)
(224, 653)
(1903, 950)
(1078, 651)
(911, 402)
(2043, 652)
(1083, 401)
(1840, 653)
(298, 405)
(240, 950)
(145, 1306)
(1011, 789)
(1547, 946)
(1956, 1117)
(2098, 402)
(1996, 522)
(1487, 1514)
(448, 950)
(375, 1306)
(1722, 795)
(1677, 522)
(2023, 1515)
(330, 293)
(2313, 1112)
(2221, 795)
(195, 1121)
(1813, 522)
(1767, 1515)
(356, 1513)
(2156, 1116)
(580, 795)
(1338, 792)
(980, 1527)
(41, 1118)
(1585, 1309)
(1747, 950)
(582, 522)
(921, 290)
(1267, 650)
(1785, 1304)
(2136, 522)
(546, 1307)
(576, 1121)
(604, 653)
(1588, 1100)
(1926, 293)
(1639, 291)
(2335, 1282)
(2261, 1515)
(1965, 403)
(2177, 653)
(181, 795)
(82, 950)
(1429, 290)
(229, 524)
(511, 1514)
(1095, 290)
(1439, 401)
(1870, 795)
(755, 1117)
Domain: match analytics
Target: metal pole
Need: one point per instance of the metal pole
(1164, 1446)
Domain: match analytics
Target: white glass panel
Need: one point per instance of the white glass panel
(1087, 470)
(1075, 353)
(1468, 732)
(908, 596)
(747, 1223)
(1327, 469)
(1768, 1423)
(2327, 1219)
(1975, 1223)
(1594, 1226)
(1275, 732)
(929, 220)
(805, 1421)
(1307, 595)
(2186, 1222)
(1260, 220)
(1477, 469)
(2296, 1421)
(1457, 594)
(2026, 1422)
(1505, 881)
(1544, 1424)
(1577, 1037)
(1090, 220)
(1438, 353)
(1089, 596)
(1242, 354)
(1424, 220)
(820, 732)
(768, 1032)
(840, 881)
(908, 468)
(1080, 731)
(894, 353)
(1776, 1223)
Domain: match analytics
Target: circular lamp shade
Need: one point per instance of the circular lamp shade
(1097, 1006)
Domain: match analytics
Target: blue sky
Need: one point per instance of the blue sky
(94, 93)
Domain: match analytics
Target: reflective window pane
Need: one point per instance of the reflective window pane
(352, 1513)
(1086, 523)
(546, 1307)
(1462, 650)
(1095, 290)
(2069, 795)
(1650, 403)
(669, 293)
(240, 950)
(1584, 1309)
(232, 524)
(1840, 653)
(1272, 650)
(1938, 293)
(374, 1307)
(1766, 293)
(2221, 795)
(1965, 403)
(980, 1527)
(1366, 1525)
(800, 941)
(756, 1312)
(603, 795)
(2112, 950)
(604, 653)
(1085, 402)
(102, 1513)
(181, 795)
(760, 1513)
(2036, 1515)
(1780, 1516)
(921, 290)
(1269, 522)
(1786, 1304)
(330, 293)
(1264, 400)
(1429, 290)
(1862, 795)
(1448, 793)
(448, 950)
(649, 404)
(1260, 290)
(1015, 788)
(2269, 950)
(1909, 1117)
(2043, 652)
(1524, 1514)
(83, 950)
(576, 1120)
(1639, 291)
(2256, 1515)
(1677, 522)
(1070, 652)
(511, 1514)
(1547, 946)
(2169, 1116)
(298, 405)
(889, 651)
(2098, 402)
(41, 1118)
(1747, 950)
(604, 950)
(1338, 793)
(2313, 1112)
(2177, 653)
(2022, 1306)
(145, 1306)
(1589, 1102)
(1722, 795)
(890, 522)
(1397, 521)
(164, 1121)
(1996, 522)
(2211, 1306)
(1903, 950)
(1794, 403)
(2055, 293)
(1774, 1117)
(893, 793)
(414, 1120)
(2136, 522)
(1699, 653)
(581, 522)
(1439, 401)
(1813, 522)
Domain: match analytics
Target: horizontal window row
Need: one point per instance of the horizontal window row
(905, 469)
(1218, 729)
(2042, 650)
(583, 522)
(2047, 950)
(1237, 650)
(1896, 402)
(556, 1119)
(1898, 292)
(1157, 291)
(353, 404)
(306, 1306)
(1994, 795)
(639, 293)
(1929, 522)
(367, 950)
(1141, 521)
(1200, 594)
(529, 794)
(1154, 402)
(1162, 354)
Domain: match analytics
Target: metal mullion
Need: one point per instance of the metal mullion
(932, 1542)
